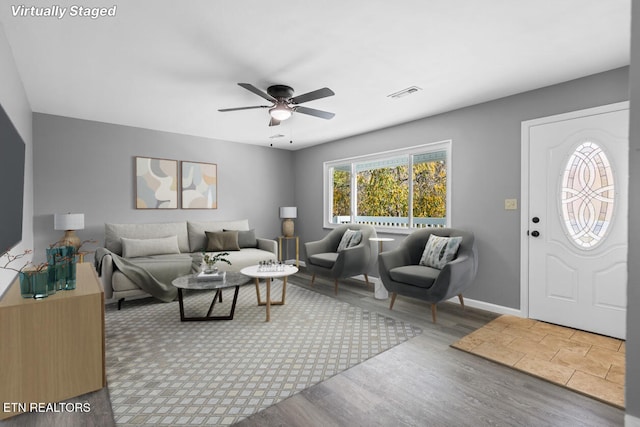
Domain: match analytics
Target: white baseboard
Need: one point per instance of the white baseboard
(488, 306)
(467, 302)
(293, 262)
(631, 421)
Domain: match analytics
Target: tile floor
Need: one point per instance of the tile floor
(588, 363)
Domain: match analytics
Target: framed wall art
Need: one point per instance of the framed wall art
(156, 183)
(199, 185)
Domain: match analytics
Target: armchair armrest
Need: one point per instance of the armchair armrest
(454, 277)
(351, 261)
(268, 245)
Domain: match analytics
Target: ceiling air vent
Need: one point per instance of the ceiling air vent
(278, 135)
(404, 92)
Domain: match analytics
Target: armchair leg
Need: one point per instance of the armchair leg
(393, 299)
(120, 301)
(313, 278)
(461, 300)
(336, 287)
(366, 279)
(433, 312)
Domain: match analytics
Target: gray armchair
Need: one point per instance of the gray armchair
(401, 272)
(322, 256)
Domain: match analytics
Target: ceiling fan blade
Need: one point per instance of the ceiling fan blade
(313, 112)
(243, 108)
(274, 122)
(252, 88)
(310, 96)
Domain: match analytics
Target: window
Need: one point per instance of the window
(397, 190)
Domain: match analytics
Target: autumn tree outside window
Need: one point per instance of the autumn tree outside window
(401, 189)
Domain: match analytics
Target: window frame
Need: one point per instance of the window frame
(327, 188)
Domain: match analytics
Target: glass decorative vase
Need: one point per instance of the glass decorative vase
(34, 283)
(70, 283)
(210, 269)
(62, 267)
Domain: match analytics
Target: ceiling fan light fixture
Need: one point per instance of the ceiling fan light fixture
(280, 112)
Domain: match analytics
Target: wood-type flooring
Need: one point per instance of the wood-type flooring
(422, 382)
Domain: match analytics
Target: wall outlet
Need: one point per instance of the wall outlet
(510, 204)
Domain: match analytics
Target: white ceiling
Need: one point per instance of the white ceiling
(170, 65)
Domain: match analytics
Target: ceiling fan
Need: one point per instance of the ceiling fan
(284, 103)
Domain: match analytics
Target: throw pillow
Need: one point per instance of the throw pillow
(349, 236)
(439, 251)
(132, 248)
(218, 241)
(246, 238)
(356, 239)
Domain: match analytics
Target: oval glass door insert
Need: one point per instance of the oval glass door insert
(587, 195)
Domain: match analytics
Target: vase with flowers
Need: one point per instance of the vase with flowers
(33, 278)
(210, 261)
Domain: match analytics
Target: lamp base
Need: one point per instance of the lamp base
(287, 227)
(71, 239)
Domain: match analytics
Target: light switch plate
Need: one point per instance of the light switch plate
(510, 204)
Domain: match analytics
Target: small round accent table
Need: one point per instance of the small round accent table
(256, 272)
(380, 291)
(191, 281)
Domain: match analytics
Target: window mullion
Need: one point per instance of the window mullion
(410, 209)
(354, 193)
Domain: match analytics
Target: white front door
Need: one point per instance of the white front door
(577, 219)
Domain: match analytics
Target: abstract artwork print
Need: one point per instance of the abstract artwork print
(156, 183)
(199, 185)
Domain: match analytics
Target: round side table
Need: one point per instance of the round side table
(380, 291)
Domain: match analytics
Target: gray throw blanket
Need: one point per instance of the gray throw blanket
(165, 292)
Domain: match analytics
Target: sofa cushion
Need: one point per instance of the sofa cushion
(327, 259)
(439, 251)
(197, 238)
(218, 241)
(132, 248)
(113, 233)
(246, 238)
(415, 275)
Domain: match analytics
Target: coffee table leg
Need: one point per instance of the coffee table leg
(181, 304)
(218, 295)
(258, 292)
(208, 316)
(268, 299)
(284, 289)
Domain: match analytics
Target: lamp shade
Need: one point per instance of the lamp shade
(288, 212)
(68, 221)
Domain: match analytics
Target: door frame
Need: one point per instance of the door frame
(524, 186)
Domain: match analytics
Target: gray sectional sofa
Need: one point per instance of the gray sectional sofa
(169, 250)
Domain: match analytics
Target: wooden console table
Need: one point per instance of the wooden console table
(52, 349)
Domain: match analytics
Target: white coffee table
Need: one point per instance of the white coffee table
(255, 272)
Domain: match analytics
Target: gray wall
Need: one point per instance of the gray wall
(632, 398)
(486, 170)
(88, 167)
(14, 101)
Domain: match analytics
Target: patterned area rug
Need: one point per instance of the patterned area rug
(161, 371)
(581, 361)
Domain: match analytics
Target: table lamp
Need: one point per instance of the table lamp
(287, 213)
(69, 223)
